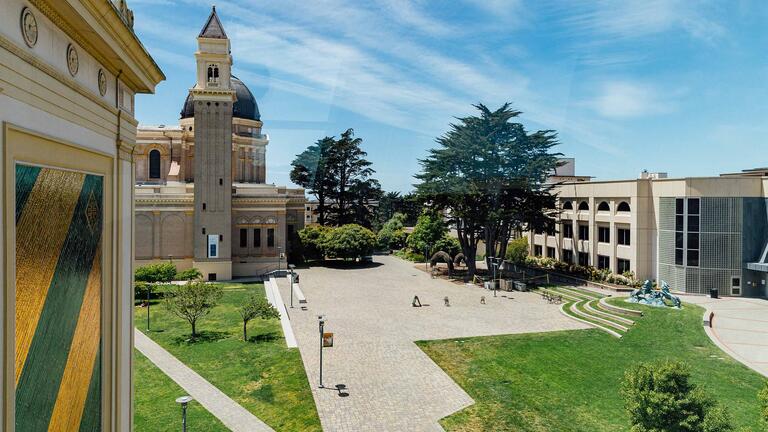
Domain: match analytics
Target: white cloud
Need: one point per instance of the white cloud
(638, 18)
(624, 99)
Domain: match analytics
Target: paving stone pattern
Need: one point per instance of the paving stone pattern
(391, 384)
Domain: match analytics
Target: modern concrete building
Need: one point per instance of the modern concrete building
(201, 194)
(69, 71)
(695, 233)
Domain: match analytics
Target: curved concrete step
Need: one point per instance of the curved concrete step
(589, 323)
(603, 321)
(593, 311)
(564, 296)
(605, 314)
(611, 308)
(582, 293)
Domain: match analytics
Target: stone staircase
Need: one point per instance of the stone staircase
(590, 307)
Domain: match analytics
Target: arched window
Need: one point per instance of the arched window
(623, 207)
(213, 74)
(583, 205)
(603, 207)
(567, 205)
(154, 164)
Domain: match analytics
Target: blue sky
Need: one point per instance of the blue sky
(663, 85)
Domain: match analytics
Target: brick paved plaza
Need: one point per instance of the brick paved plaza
(392, 384)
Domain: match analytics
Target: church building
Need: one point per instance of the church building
(201, 194)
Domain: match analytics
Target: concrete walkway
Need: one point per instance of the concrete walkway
(234, 416)
(275, 299)
(391, 385)
(740, 328)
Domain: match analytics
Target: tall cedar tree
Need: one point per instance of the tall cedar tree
(351, 174)
(490, 174)
(310, 171)
(337, 173)
(392, 202)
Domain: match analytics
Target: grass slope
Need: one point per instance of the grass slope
(155, 407)
(569, 381)
(262, 375)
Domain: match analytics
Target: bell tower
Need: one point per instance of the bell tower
(213, 99)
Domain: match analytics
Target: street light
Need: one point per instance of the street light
(184, 400)
(291, 266)
(149, 289)
(321, 325)
(426, 257)
(495, 264)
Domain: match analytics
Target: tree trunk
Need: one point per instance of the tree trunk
(245, 330)
(194, 333)
(321, 208)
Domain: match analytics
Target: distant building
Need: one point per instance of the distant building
(566, 172)
(201, 193)
(695, 233)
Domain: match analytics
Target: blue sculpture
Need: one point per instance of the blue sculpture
(651, 297)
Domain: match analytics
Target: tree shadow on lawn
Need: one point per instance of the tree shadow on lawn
(264, 337)
(202, 337)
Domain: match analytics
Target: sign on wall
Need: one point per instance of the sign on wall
(59, 216)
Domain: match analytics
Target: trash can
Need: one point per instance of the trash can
(713, 293)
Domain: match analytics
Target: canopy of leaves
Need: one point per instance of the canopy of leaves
(429, 229)
(490, 173)
(257, 307)
(189, 274)
(392, 236)
(310, 171)
(660, 397)
(518, 250)
(349, 241)
(312, 239)
(192, 301)
(391, 203)
(154, 273)
(337, 173)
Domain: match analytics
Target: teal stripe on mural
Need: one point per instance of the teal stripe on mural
(91, 420)
(26, 176)
(40, 379)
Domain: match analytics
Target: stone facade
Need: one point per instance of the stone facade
(202, 184)
(68, 75)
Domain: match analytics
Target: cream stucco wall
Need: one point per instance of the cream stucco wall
(38, 95)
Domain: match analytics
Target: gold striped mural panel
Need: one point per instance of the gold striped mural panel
(73, 391)
(40, 234)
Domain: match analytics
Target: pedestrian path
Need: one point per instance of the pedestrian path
(375, 378)
(739, 327)
(276, 300)
(229, 412)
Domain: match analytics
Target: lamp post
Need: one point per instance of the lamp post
(183, 401)
(149, 289)
(495, 264)
(426, 257)
(321, 325)
(291, 266)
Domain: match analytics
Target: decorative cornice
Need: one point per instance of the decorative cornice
(33, 60)
(146, 62)
(125, 150)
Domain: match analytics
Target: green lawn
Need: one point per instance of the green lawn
(569, 381)
(156, 410)
(262, 375)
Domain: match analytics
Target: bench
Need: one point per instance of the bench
(299, 295)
